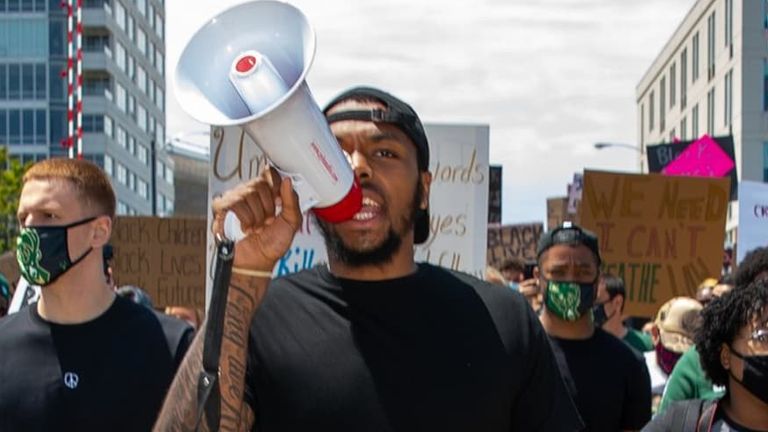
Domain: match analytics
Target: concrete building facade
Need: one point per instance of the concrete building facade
(711, 78)
(123, 92)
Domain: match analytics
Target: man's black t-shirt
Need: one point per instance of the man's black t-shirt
(108, 374)
(608, 380)
(433, 351)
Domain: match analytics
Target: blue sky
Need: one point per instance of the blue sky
(550, 77)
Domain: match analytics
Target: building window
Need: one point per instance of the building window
(93, 123)
(141, 79)
(159, 26)
(121, 137)
(108, 165)
(141, 117)
(711, 112)
(122, 208)
(159, 61)
(765, 162)
(131, 181)
(24, 37)
(695, 122)
(728, 97)
(142, 5)
(131, 29)
(14, 81)
(711, 46)
(122, 174)
(120, 97)
(168, 175)
(651, 115)
(142, 187)
(729, 24)
(683, 129)
(695, 57)
(109, 127)
(765, 85)
(120, 56)
(160, 98)
(120, 15)
(142, 154)
(662, 103)
(672, 84)
(141, 40)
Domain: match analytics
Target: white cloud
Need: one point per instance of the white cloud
(551, 77)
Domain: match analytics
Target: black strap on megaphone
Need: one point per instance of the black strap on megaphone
(208, 389)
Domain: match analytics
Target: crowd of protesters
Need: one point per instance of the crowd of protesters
(373, 340)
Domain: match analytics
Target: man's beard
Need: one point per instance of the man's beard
(379, 254)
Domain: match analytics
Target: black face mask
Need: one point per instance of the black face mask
(755, 375)
(43, 253)
(599, 315)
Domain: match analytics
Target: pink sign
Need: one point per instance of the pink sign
(703, 158)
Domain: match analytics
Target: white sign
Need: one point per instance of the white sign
(574, 193)
(458, 199)
(753, 217)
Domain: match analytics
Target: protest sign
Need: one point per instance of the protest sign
(703, 157)
(458, 198)
(753, 217)
(9, 267)
(163, 256)
(494, 194)
(574, 193)
(663, 235)
(513, 241)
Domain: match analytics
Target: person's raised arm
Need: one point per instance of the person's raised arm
(269, 235)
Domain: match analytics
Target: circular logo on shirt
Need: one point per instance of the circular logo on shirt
(71, 379)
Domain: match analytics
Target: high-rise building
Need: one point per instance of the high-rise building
(123, 90)
(711, 78)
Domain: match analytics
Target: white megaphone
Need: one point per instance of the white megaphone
(247, 66)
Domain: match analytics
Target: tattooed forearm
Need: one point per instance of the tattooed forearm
(179, 411)
(233, 352)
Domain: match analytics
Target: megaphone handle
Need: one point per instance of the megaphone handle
(307, 194)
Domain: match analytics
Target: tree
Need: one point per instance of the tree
(10, 189)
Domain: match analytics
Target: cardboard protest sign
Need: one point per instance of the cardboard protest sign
(163, 256)
(513, 241)
(458, 198)
(663, 235)
(703, 157)
(753, 217)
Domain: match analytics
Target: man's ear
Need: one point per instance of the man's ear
(425, 179)
(102, 231)
(655, 335)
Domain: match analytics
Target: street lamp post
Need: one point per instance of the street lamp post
(640, 153)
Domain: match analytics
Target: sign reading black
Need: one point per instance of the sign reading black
(661, 155)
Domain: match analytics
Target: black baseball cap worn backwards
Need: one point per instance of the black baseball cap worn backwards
(399, 114)
(569, 234)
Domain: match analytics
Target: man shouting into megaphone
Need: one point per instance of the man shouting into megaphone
(373, 341)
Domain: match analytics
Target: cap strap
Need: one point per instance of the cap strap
(374, 115)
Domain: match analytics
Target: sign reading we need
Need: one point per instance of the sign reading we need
(753, 217)
(663, 235)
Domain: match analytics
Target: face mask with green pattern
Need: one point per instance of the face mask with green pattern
(42, 252)
(569, 300)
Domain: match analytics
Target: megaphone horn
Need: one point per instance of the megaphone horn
(247, 66)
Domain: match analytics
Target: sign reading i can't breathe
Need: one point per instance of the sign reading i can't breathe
(163, 256)
(663, 235)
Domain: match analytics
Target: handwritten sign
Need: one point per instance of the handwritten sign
(696, 159)
(753, 217)
(663, 235)
(163, 256)
(513, 241)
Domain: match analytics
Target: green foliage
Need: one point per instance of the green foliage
(11, 173)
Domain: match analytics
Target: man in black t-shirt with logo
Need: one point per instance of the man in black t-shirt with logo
(81, 358)
(607, 379)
